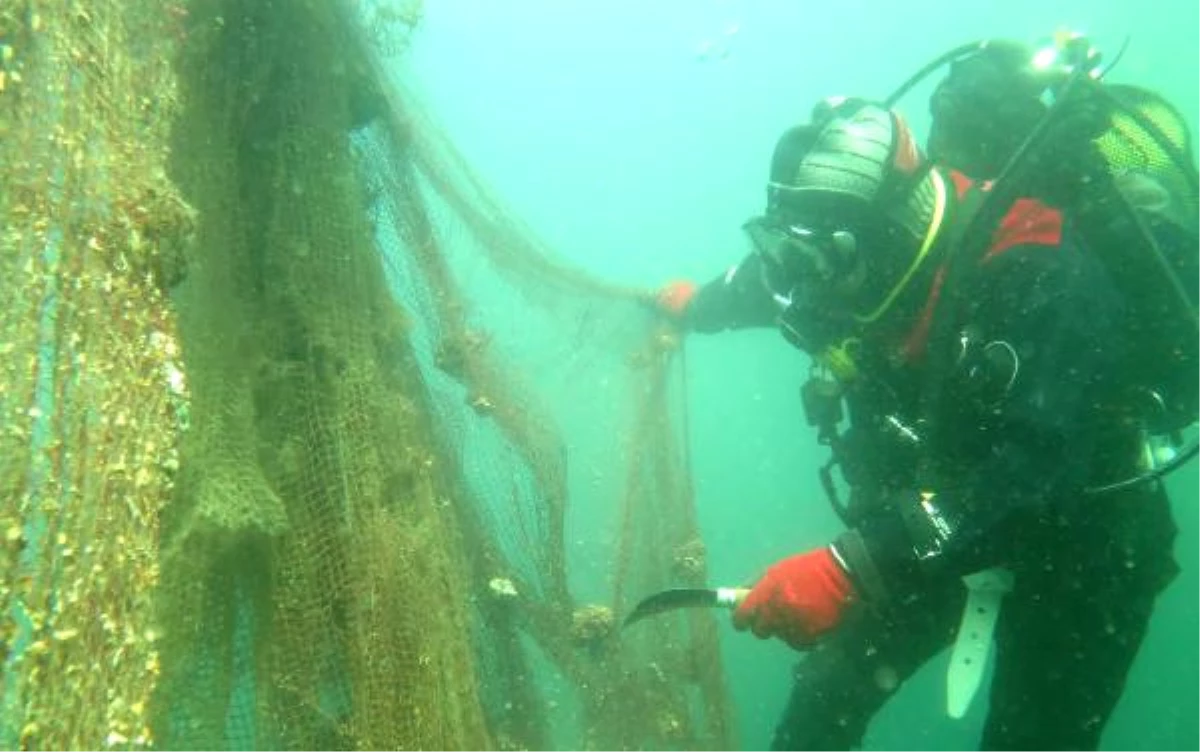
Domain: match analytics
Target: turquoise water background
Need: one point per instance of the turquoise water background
(634, 137)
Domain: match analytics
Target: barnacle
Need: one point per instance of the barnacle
(591, 624)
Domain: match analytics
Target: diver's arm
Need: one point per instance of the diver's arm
(737, 299)
(1058, 311)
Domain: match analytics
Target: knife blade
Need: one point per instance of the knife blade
(676, 598)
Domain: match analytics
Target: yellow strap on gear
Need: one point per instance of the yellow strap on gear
(939, 212)
(839, 359)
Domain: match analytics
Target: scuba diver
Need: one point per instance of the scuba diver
(992, 375)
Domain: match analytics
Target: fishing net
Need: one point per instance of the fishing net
(1131, 151)
(308, 443)
(91, 382)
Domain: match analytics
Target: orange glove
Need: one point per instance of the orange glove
(673, 298)
(798, 600)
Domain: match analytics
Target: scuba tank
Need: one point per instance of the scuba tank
(1138, 212)
(1138, 206)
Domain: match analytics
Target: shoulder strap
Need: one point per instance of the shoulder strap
(960, 256)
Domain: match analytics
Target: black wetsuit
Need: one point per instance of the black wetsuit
(1008, 449)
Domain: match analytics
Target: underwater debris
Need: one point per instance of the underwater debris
(886, 679)
(456, 351)
(689, 562)
(666, 342)
(591, 625)
(669, 725)
(149, 233)
(481, 404)
(502, 587)
(718, 46)
(656, 350)
(506, 742)
(391, 24)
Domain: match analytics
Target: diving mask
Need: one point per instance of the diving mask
(811, 274)
(797, 255)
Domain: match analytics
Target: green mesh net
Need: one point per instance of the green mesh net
(308, 443)
(1139, 160)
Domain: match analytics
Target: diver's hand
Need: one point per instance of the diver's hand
(673, 298)
(798, 600)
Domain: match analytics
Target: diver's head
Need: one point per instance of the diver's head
(997, 93)
(851, 208)
(982, 112)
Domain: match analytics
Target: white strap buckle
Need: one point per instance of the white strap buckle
(968, 660)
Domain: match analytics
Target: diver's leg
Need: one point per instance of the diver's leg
(1068, 635)
(846, 678)
(1060, 669)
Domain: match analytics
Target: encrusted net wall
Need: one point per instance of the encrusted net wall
(307, 442)
(92, 396)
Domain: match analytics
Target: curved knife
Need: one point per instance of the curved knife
(675, 598)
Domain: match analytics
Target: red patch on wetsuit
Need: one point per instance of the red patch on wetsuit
(1028, 222)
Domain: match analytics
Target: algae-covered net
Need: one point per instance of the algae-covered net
(307, 441)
